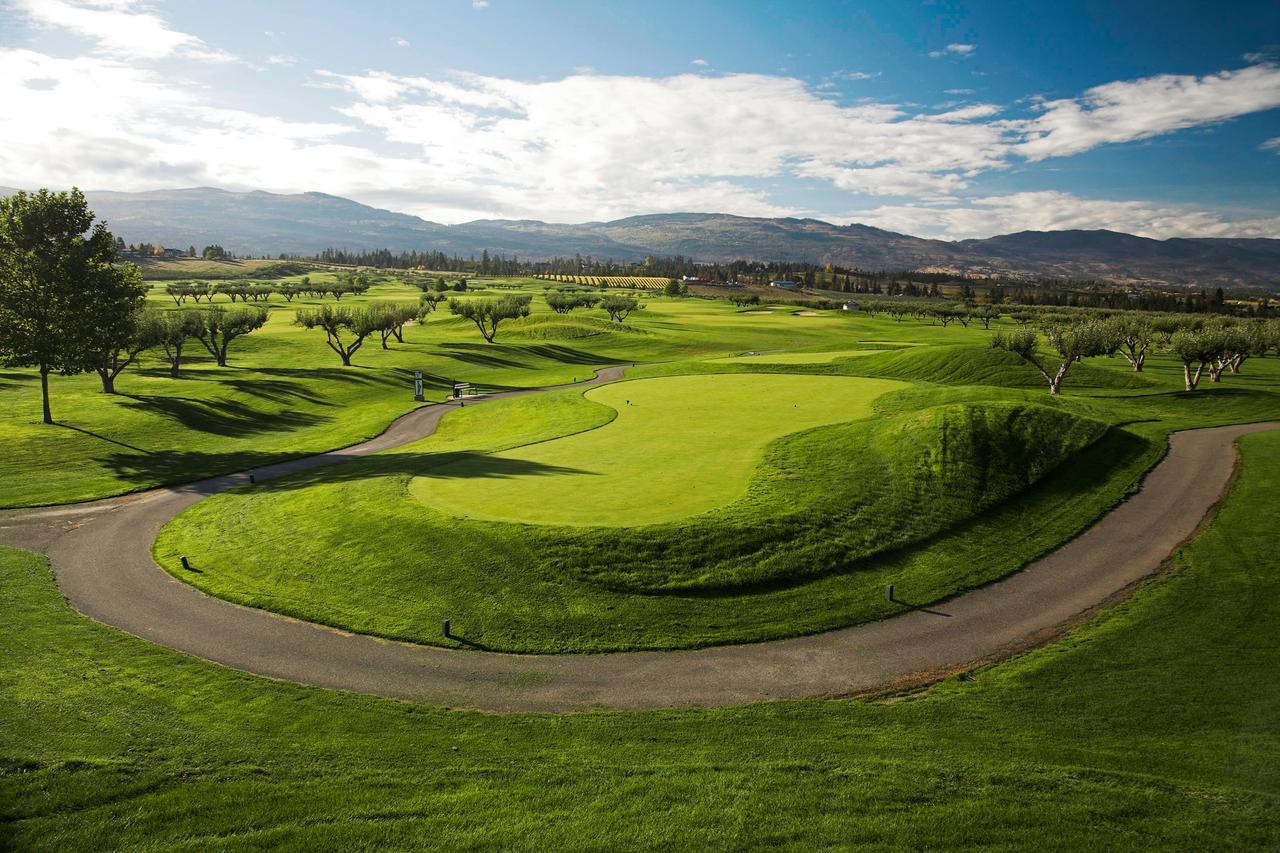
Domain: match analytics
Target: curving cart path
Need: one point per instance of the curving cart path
(101, 555)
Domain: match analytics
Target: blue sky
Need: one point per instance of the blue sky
(939, 119)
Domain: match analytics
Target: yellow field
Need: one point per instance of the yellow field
(634, 282)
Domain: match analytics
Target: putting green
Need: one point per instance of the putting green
(796, 357)
(679, 446)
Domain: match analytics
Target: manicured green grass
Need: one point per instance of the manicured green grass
(663, 456)
(286, 394)
(347, 547)
(1156, 726)
(796, 357)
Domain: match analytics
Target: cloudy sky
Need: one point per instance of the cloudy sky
(937, 119)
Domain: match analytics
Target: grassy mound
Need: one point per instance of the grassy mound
(566, 327)
(980, 365)
(348, 546)
(833, 496)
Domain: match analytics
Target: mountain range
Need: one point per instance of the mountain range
(262, 223)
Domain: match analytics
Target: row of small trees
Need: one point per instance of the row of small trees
(258, 292)
(1218, 344)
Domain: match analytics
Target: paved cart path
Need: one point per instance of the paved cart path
(101, 555)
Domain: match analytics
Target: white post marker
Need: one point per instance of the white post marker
(417, 386)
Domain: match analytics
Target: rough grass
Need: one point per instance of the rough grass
(676, 447)
(1154, 727)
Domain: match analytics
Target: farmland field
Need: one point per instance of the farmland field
(634, 282)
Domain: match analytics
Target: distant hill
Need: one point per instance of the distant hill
(261, 223)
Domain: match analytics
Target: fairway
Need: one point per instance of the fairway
(678, 446)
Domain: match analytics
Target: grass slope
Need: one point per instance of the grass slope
(665, 455)
(347, 547)
(1153, 726)
(285, 393)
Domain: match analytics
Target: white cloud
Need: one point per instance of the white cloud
(856, 75)
(1055, 211)
(954, 49)
(1272, 144)
(151, 133)
(400, 41)
(282, 59)
(700, 62)
(969, 113)
(958, 91)
(125, 29)
(589, 146)
(589, 143)
(479, 4)
(1137, 109)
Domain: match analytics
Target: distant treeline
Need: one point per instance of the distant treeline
(1056, 292)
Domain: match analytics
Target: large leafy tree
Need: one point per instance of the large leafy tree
(64, 301)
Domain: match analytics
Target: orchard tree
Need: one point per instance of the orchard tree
(131, 335)
(428, 303)
(1133, 335)
(171, 330)
(1072, 342)
(1165, 326)
(487, 314)
(221, 326)
(392, 317)
(619, 307)
(985, 315)
(1247, 339)
(345, 327)
(64, 301)
(563, 303)
(676, 288)
(1198, 348)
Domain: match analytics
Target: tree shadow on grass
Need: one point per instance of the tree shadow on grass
(282, 472)
(459, 352)
(13, 381)
(222, 417)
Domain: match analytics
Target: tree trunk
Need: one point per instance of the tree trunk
(1055, 384)
(108, 380)
(398, 331)
(44, 394)
(1192, 379)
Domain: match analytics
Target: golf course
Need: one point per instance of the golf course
(686, 523)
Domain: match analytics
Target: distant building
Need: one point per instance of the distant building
(849, 306)
(782, 282)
